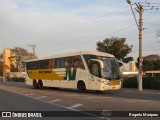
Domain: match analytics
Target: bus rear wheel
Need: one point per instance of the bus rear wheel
(81, 86)
(40, 84)
(35, 84)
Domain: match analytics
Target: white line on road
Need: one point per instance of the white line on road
(41, 97)
(30, 94)
(75, 95)
(21, 92)
(58, 105)
(56, 100)
(76, 105)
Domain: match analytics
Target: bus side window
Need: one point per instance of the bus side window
(62, 63)
(77, 62)
(67, 62)
(58, 63)
(51, 63)
(41, 66)
(28, 65)
(46, 64)
(33, 65)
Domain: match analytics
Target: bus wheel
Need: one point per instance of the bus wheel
(98, 91)
(35, 84)
(81, 86)
(40, 84)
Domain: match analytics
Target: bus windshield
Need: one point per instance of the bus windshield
(111, 68)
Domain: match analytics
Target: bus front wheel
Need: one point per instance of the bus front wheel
(81, 86)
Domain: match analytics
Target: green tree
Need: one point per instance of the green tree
(116, 46)
(18, 57)
(150, 62)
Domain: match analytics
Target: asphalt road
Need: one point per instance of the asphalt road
(21, 97)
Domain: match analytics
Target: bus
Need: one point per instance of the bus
(80, 70)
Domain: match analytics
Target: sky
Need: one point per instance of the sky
(57, 26)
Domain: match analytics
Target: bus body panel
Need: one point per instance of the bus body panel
(69, 77)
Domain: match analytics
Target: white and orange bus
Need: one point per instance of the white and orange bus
(81, 70)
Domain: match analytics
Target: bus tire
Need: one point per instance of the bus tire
(35, 84)
(40, 84)
(81, 86)
(98, 91)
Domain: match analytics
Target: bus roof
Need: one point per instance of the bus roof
(75, 53)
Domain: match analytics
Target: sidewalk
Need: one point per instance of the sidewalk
(143, 91)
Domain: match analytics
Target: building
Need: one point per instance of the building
(132, 66)
(6, 62)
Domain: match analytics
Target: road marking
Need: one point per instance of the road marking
(76, 105)
(21, 92)
(41, 97)
(58, 105)
(138, 100)
(30, 94)
(56, 100)
(70, 95)
(74, 95)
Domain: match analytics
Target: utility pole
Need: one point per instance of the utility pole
(140, 9)
(33, 48)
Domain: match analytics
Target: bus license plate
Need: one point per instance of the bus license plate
(115, 82)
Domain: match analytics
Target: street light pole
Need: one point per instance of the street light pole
(129, 2)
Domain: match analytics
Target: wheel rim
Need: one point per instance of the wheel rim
(81, 86)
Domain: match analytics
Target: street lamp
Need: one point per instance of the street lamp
(129, 2)
(140, 9)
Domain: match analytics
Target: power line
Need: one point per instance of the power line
(150, 5)
(89, 26)
(151, 23)
(83, 26)
(78, 27)
(144, 50)
(78, 44)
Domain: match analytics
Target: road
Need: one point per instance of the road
(21, 97)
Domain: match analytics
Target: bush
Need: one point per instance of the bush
(148, 83)
(130, 82)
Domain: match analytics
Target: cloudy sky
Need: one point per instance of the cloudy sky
(56, 26)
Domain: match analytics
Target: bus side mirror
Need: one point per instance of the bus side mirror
(98, 61)
(95, 68)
